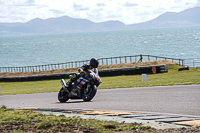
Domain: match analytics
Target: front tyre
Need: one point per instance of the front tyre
(89, 93)
(63, 95)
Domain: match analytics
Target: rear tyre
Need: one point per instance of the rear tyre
(89, 93)
(63, 95)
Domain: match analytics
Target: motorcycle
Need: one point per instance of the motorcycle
(87, 83)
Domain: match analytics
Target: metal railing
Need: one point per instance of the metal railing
(192, 62)
(102, 61)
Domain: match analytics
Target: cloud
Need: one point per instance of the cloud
(126, 11)
(57, 12)
(100, 4)
(130, 4)
(79, 7)
(198, 3)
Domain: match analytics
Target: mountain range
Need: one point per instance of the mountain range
(65, 24)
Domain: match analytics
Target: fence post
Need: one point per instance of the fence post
(182, 62)
(193, 63)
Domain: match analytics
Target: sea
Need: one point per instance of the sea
(18, 51)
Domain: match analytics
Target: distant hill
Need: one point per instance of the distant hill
(188, 17)
(59, 25)
(65, 24)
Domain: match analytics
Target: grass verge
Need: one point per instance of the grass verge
(173, 77)
(23, 121)
(29, 121)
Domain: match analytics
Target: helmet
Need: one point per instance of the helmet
(94, 62)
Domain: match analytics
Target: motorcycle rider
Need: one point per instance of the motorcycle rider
(87, 68)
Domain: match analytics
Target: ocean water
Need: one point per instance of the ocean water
(183, 43)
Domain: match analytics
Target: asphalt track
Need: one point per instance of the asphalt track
(181, 99)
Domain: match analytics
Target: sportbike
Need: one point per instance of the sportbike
(87, 84)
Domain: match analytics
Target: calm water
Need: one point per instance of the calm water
(181, 43)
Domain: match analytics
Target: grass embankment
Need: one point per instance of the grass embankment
(27, 121)
(173, 77)
(69, 70)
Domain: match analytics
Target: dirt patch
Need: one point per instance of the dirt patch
(102, 67)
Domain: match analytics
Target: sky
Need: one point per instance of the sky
(126, 11)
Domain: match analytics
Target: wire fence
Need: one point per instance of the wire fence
(102, 61)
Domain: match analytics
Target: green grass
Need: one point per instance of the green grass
(29, 121)
(10, 88)
(173, 77)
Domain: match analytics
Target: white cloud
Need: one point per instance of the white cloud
(126, 11)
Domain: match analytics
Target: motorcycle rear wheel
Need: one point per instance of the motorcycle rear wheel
(89, 95)
(63, 95)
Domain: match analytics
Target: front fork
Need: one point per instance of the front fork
(64, 85)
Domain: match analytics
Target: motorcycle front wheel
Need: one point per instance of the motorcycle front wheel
(89, 93)
(63, 95)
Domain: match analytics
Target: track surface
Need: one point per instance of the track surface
(181, 99)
